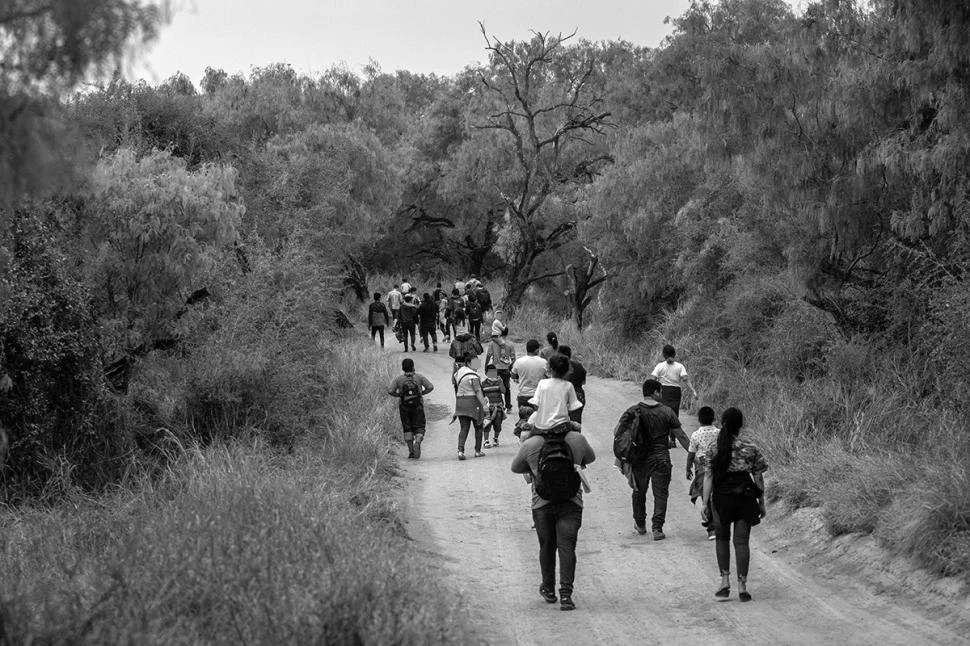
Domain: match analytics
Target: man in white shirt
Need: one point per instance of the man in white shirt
(527, 371)
(394, 299)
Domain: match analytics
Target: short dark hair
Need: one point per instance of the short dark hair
(490, 366)
(532, 345)
(525, 411)
(705, 415)
(669, 351)
(559, 365)
(377, 296)
(650, 386)
(565, 351)
(407, 365)
(552, 339)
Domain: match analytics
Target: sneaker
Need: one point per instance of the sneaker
(417, 451)
(494, 443)
(658, 535)
(479, 454)
(639, 529)
(710, 535)
(566, 603)
(435, 348)
(461, 455)
(487, 444)
(547, 594)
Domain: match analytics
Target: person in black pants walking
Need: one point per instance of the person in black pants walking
(378, 317)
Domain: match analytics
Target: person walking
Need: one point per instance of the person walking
(405, 286)
(463, 345)
(470, 405)
(734, 487)
(457, 306)
(501, 354)
(444, 319)
(552, 348)
(527, 371)
(498, 323)
(701, 441)
(475, 316)
(552, 456)
(494, 391)
(438, 293)
(672, 376)
(577, 377)
(378, 318)
(651, 466)
(428, 321)
(408, 317)
(394, 300)
(411, 388)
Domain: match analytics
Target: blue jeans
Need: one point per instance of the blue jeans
(655, 471)
(557, 526)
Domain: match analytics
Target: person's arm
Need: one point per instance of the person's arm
(519, 463)
(759, 479)
(489, 355)
(686, 380)
(690, 464)
(681, 437)
(513, 373)
(392, 389)
(572, 401)
(426, 385)
(589, 455)
(708, 488)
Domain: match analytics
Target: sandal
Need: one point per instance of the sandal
(723, 592)
(744, 596)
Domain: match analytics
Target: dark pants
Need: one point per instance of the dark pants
(425, 333)
(464, 422)
(375, 330)
(475, 328)
(655, 471)
(670, 397)
(505, 375)
(523, 400)
(557, 527)
(577, 415)
(395, 313)
(409, 333)
(412, 421)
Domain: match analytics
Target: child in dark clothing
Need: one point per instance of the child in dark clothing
(494, 389)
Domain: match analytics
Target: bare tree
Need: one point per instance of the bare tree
(552, 116)
(583, 282)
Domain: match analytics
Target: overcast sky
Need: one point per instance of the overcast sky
(440, 36)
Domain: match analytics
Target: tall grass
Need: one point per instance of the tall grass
(275, 518)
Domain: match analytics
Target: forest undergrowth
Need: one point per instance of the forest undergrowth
(271, 518)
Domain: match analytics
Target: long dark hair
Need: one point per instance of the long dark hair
(553, 340)
(731, 422)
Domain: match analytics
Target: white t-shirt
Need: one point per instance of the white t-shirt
(405, 288)
(702, 440)
(670, 374)
(394, 299)
(553, 399)
(466, 386)
(529, 369)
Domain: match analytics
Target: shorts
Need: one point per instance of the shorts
(729, 508)
(412, 421)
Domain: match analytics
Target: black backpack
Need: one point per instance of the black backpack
(410, 393)
(556, 479)
(628, 440)
(474, 311)
(485, 299)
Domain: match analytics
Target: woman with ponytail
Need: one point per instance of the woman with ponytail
(734, 487)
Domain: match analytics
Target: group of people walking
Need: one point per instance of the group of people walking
(725, 468)
(410, 315)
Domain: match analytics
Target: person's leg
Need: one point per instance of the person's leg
(418, 423)
(660, 479)
(434, 339)
(406, 426)
(506, 377)
(722, 549)
(497, 424)
(478, 436)
(424, 337)
(463, 424)
(545, 524)
(742, 551)
(639, 497)
(414, 337)
(380, 330)
(568, 521)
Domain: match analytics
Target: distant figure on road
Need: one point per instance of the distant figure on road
(409, 318)
(494, 391)
(475, 316)
(428, 321)
(551, 456)
(577, 377)
(734, 487)
(501, 354)
(394, 300)
(652, 465)
(527, 371)
(552, 348)
(378, 318)
(411, 388)
(470, 405)
(700, 441)
(464, 345)
(457, 306)
(672, 376)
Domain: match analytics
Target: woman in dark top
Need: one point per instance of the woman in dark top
(577, 377)
(734, 486)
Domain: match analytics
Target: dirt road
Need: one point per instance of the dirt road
(475, 517)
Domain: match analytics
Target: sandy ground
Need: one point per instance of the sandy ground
(474, 516)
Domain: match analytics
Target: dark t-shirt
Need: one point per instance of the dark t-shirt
(656, 422)
(576, 375)
(428, 314)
